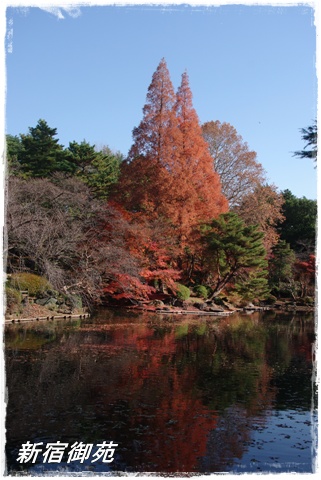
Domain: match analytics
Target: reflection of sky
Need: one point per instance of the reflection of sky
(273, 447)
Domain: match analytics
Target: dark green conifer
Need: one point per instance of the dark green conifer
(235, 253)
(41, 153)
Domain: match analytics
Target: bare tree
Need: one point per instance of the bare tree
(56, 229)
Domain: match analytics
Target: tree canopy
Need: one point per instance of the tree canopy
(310, 136)
(169, 170)
(243, 180)
(41, 153)
(263, 207)
(300, 220)
(235, 252)
(235, 163)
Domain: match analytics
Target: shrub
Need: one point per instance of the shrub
(201, 291)
(35, 284)
(183, 293)
(13, 296)
(13, 300)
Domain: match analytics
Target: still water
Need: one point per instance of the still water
(174, 393)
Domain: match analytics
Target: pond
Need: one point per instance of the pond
(167, 394)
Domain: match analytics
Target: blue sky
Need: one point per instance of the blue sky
(87, 74)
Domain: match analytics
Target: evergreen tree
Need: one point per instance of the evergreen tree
(13, 152)
(299, 225)
(81, 156)
(41, 154)
(98, 169)
(253, 286)
(281, 263)
(235, 253)
(310, 136)
(103, 174)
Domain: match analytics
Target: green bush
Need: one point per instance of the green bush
(201, 291)
(13, 296)
(183, 293)
(35, 284)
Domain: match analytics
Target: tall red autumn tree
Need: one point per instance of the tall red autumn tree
(169, 170)
(169, 175)
(195, 194)
(145, 174)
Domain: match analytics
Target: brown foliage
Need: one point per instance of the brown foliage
(263, 207)
(242, 179)
(59, 231)
(195, 190)
(236, 165)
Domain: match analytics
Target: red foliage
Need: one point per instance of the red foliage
(195, 194)
(151, 243)
(169, 173)
(307, 267)
(127, 287)
(169, 186)
(305, 273)
(144, 175)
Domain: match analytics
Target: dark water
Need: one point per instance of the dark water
(176, 394)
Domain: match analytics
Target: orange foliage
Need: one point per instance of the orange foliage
(194, 192)
(144, 175)
(127, 287)
(263, 207)
(169, 172)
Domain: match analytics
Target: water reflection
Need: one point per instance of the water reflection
(177, 395)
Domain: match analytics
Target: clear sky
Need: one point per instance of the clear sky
(87, 74)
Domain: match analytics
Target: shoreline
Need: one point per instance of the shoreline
(159, 311)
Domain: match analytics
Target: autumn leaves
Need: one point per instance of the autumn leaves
(170, 177)
(190, 203)
(169, 171)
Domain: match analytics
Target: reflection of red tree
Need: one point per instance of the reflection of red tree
(139, 385)
(171, 422)
(171, 425)
(302, 344)
(179, 431)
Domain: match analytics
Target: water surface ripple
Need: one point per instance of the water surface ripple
(191, 394)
